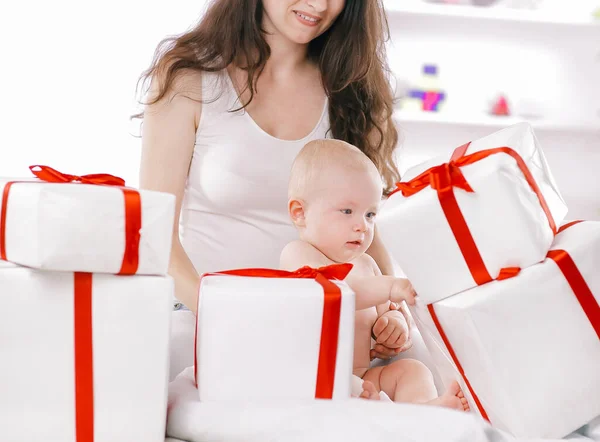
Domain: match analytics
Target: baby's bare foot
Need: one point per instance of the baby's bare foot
(369, 391)
(452, 398)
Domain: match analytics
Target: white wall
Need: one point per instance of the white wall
(69, 72)
(70, 69)
(557, 66)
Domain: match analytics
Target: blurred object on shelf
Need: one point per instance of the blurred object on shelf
(596, 13)
(427, 94)
(500, 107)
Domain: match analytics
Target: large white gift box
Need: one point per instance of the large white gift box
(292, 335)
(84, 356)
(527, 349)
(68, 226)
(458, 222)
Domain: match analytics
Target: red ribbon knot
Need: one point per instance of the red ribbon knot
(47, 173)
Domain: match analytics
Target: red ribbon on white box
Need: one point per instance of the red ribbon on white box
(331, 316)
(578, 285)
(84, 358)
(448, 176)
(133, 210)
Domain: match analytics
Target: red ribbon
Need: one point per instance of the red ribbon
(133, 210)
(578, 285)
(569, 224)
(582, 291)
(84, 358)
(456, 361)
(46, 173)
(444, 178)
(331, 316)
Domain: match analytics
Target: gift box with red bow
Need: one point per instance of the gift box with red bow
(527, 349)
(89, 223)
(293, 335)
(489, 210)
(84, 357)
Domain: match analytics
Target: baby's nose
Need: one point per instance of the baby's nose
(360, 226)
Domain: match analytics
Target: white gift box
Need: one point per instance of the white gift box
(275, 328)
(82, 227)
(526, 346)
(504, 215)
(74, 365)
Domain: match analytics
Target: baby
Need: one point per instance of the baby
(334, 193)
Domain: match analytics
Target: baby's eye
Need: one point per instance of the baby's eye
(371, 215)
(347, 211)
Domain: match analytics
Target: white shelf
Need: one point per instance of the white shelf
(500, 14)
(491, 122)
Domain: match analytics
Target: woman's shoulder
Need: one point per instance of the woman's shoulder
(186, 82)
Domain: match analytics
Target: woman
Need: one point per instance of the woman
(231, 103)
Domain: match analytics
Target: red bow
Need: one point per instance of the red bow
(334, 271)
(51, 175)
(440, 178)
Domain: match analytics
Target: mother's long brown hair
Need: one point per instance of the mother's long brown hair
(350, 54)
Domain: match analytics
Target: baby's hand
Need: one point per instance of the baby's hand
(402, 290)
(391, 330)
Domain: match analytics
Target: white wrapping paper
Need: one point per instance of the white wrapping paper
(503, 214)
(130, 335)
(525, 344)
(259, 338)
(81, 227)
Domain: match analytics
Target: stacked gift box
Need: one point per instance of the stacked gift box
(85, 307)
(507, 290)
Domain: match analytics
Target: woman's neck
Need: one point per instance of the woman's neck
(286, 56)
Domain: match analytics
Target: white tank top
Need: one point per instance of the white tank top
(234, 211)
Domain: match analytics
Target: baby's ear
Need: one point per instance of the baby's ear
(296, 209)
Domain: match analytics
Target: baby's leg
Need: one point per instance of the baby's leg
(408, 380)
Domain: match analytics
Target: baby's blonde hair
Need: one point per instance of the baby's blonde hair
(320, 157)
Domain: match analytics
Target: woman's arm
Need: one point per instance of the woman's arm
(168, 136)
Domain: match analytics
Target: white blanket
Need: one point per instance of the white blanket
(330, 421)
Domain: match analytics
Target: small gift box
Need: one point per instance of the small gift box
(293, 335)
(88, 224)
(493, 207)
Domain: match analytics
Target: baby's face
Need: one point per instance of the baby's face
(340, 220)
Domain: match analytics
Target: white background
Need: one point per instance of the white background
(69, 72)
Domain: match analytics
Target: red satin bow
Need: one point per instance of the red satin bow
(334, 271)
(440, 177)
(51, 175)
(330, 322)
